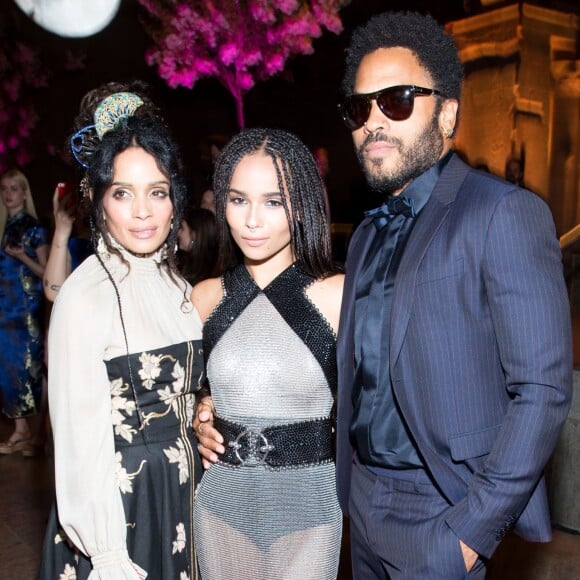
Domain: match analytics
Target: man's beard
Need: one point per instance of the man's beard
(414, 159)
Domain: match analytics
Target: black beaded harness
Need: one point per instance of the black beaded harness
(286, 293)
(293, 445)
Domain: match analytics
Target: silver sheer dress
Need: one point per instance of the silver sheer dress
(271, 361)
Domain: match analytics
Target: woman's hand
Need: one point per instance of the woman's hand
(210, 440)
(64, 215)
(37, 266)
(16, 251)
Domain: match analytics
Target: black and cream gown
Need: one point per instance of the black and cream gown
(126, 460)
(270, 359)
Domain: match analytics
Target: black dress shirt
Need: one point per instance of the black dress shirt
(378, 430)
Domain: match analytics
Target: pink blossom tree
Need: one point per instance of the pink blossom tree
(20, 71)
(239, 42)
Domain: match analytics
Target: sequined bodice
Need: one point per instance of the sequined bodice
(253, 341)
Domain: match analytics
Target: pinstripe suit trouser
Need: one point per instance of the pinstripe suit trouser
(398, 529)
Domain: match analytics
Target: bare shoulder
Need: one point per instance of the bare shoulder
(333, 283)
(326, 294)
(206, 295)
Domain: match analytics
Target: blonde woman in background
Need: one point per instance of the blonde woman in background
(23, 256)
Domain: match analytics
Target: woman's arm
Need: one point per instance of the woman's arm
(205, 296)
(58, 266)
(88, 496)
(36, 266)
(33, 239)
(326, 295)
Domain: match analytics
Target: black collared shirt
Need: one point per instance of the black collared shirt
(378, 430)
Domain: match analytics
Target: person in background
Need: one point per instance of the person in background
(514, 172)
(454, 350)
(268, 508)
(198, 246)
(208, 200)
(23, 256)
(124, 361)
(210, 152)
(320, 155)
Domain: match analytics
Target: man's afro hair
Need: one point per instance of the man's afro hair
(421, 34)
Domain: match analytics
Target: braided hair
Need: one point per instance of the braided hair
(305, 200)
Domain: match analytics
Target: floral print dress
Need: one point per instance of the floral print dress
(125, 456)
(21, 313)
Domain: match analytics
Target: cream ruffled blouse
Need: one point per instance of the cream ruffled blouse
(85, 330)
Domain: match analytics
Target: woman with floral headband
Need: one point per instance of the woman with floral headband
(69, 245)
(124, 362)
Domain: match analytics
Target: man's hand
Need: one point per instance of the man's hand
(469, 556)
(210, 440)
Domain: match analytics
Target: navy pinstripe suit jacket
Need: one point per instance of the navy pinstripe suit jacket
(481, 356)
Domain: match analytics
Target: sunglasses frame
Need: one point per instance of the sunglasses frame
(412, 91)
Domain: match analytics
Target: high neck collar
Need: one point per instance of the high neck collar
(20, 213)
(139, 261)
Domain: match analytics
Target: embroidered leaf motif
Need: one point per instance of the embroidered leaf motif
(179, 375)
(68, 573)
(178, 455)
(150, 369)
(179, 542)
(120, 405)
(124, 478)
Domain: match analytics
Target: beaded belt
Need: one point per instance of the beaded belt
(293, 445)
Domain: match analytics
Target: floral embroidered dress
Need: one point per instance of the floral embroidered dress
(125, 457)
(21, 336)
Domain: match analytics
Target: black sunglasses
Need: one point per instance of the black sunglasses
(394, 102)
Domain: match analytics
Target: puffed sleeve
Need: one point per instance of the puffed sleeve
(38, 236)
(88, 498)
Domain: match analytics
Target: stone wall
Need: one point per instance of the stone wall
(522, 99)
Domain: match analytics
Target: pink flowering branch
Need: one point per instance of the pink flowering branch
(240, 42)
(20, 71)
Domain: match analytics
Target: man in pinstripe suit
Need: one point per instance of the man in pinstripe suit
(454, 350)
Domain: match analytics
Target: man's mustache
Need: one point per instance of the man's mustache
(379, 138)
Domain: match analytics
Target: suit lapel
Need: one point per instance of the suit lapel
(357, 252)
(429, 221)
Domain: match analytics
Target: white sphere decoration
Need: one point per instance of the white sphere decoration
(71, 18)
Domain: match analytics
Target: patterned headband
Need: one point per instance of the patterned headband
(107, 116)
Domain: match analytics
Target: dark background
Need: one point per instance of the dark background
(302, 99)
